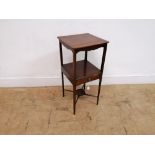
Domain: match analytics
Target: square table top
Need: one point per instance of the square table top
(83, 41)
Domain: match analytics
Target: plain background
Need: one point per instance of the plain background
(77, 144)
(29, 50)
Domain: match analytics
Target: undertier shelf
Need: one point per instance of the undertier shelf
(85, 72)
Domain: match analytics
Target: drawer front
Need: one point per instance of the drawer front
(81, 81)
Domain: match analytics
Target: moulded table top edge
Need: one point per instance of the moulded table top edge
(81, 41)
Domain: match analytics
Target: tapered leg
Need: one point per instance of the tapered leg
(99, 89)
(74, 99)
(74, 82)
(63, 90)
(102, 67)
(85, 62)
(61, 60)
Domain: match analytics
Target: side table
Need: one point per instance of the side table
(81, 72)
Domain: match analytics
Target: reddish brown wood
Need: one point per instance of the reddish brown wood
(81, 42)
(62, 76)
(81, 72)
(85, 72)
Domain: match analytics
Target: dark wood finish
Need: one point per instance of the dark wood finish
(73, 68)
(85, 72)
(61, 60)
(85, 61)
(82, 42)
(102, 67)
(81, 72)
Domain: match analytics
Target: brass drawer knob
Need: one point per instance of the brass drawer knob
(89, 79)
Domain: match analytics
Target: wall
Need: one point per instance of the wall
(29, 52)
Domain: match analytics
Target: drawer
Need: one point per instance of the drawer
(87, 79)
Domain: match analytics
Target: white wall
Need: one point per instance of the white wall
(29, 52)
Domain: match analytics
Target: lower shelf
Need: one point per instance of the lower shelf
(85, 72)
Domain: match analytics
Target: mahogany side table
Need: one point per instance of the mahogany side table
(81, 72)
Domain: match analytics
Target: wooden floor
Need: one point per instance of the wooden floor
(123, 109)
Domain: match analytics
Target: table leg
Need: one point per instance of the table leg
(74, 99)
(99, 89)
(63, 90)
(61, 61)
(102, 67)
(74, 82)
(85, 63)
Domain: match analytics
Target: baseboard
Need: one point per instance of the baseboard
(29, 81)
(56, 81)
